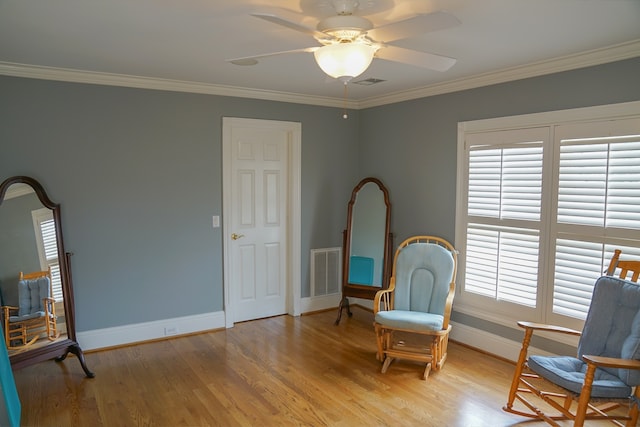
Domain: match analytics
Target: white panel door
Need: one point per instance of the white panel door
(257, 230)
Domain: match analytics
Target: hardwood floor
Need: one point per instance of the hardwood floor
(281, 371)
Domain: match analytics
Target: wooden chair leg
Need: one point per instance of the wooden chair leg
(633, 409)
(441, 351)
(387, 362)
(379, 338)
(48, 325)
(7, 335)
(427, 369)
(52, 328)
(519, 368)
(585, 396)
(19, 333)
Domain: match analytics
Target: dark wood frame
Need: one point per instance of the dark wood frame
(57, 350)
(361, 291)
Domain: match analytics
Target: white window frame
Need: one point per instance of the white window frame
(39, 216)
(497, 311)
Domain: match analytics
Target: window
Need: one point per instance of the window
(46, 240)
(542, 203)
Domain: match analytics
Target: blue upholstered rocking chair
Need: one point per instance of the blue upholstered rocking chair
(605, 375)
(34, 314)
(417, 303)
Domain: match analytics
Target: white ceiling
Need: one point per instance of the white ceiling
(184, 43)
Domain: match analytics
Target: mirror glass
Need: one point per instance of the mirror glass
(368, 235)
(35, 277)
(28, 244)
(366, 246)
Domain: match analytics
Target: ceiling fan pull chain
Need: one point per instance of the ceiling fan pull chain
(344, 103)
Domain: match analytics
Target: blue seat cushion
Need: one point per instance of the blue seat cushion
(410, 320)
(30, 316)
(568, 372)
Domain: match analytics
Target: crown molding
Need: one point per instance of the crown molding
(123, 80)
(614, 53)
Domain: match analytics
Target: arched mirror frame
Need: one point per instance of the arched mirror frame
(357, 290)
(58, 349)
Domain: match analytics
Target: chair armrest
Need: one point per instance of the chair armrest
(384, 297)
(548, 328)
(612, 362)
(7, 308)
(49, 305)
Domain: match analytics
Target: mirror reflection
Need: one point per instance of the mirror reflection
(368, 233)
(367, 243)
(30, 281)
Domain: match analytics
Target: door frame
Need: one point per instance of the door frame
(293, 214)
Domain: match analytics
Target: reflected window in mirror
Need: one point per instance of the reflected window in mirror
(44, 228)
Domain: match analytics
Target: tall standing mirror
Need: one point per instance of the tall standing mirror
(367, 243)
(35, 277)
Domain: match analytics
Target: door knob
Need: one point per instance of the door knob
(235, 236)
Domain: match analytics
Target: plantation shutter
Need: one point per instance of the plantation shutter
(503, 214)
(598, 208)
(45, 227)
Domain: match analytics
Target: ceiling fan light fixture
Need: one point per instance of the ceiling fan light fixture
(345, 61)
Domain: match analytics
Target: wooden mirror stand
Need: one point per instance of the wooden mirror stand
(367, 243)
(27, 244)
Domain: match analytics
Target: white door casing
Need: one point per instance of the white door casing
(261, 208)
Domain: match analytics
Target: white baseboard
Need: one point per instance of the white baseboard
(365, 303)
(129, 334)
(490, 343)
(311, 304)
(139, 332)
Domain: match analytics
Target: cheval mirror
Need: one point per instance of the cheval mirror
(35, 277)
(366, 243)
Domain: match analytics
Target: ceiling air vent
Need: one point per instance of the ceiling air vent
(369, 82)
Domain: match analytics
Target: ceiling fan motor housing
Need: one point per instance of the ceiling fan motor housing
(345, 7)
(345, 27)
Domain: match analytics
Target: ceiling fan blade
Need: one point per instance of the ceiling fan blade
(414, 57)
(292, 25)
(414, 26)
(252, 60)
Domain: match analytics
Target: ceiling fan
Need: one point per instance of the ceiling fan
(348, 42)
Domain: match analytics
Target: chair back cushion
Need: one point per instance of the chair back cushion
(612, 326)
(423, 274)
(31, 293)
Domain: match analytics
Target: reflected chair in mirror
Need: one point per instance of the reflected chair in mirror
(34, 315)
(412, 315)
(601, 382)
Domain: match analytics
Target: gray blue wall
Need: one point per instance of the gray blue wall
(138, 174)
(412, 146)
(18, 248)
